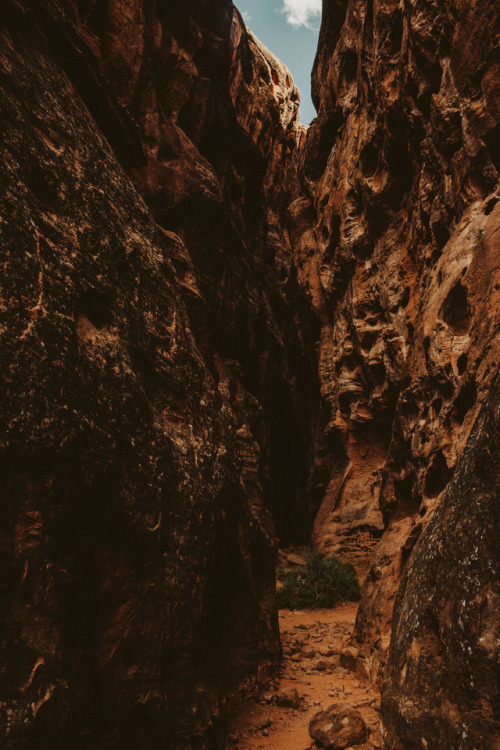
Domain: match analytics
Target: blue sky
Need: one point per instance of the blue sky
(289, 28)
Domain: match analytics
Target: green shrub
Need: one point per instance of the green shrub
(322, 582)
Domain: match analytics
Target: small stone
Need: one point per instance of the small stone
(288, 698)
(264, 723)
(322, 665)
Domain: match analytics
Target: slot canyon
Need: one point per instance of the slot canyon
(225, 334)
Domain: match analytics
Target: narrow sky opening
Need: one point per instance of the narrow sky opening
(289, 28)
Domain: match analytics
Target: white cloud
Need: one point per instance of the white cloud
(246, 16)
(301, 12)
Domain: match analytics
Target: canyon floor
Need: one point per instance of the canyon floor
(312, 643)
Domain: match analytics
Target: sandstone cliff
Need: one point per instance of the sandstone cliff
(154, 393)
(401, 169)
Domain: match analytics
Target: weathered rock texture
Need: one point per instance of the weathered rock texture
(442, 688)
(402, 267)
(218, 125)
(153, 385)
(338, 727)
(169, 281)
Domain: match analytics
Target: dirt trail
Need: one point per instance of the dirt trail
(312, 641)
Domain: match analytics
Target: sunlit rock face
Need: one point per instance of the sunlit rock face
(158, 389)
(401, 263)
(441, 688)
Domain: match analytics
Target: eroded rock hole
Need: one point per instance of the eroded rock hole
(350, 67)
(398, 155)
(369, 160)
(438, 476)
(444, 387)
(492, 141)
(331, 235)
(368, 340)
(403, 491)
(465, 401)
(490, 205)
(456, 311)
(378, 372)
(441, 232)
(322, 141)
(475, 85)
(335, 224)
(345, 401)
(166, 153)
(408, 406)
(462, 364)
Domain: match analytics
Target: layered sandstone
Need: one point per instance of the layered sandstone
(401, 266)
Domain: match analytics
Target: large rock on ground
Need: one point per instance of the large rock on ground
(442, 689)
(338, 727)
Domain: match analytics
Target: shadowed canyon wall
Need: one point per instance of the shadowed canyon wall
(220, 329)
(157, 388)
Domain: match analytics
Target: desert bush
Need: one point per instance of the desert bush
(322, 582)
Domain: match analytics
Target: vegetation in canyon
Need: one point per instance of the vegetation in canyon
(322, 582)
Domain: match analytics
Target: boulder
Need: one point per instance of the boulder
(289, 698)
(338, 727)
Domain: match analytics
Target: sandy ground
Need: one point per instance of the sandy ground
(260, 723)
